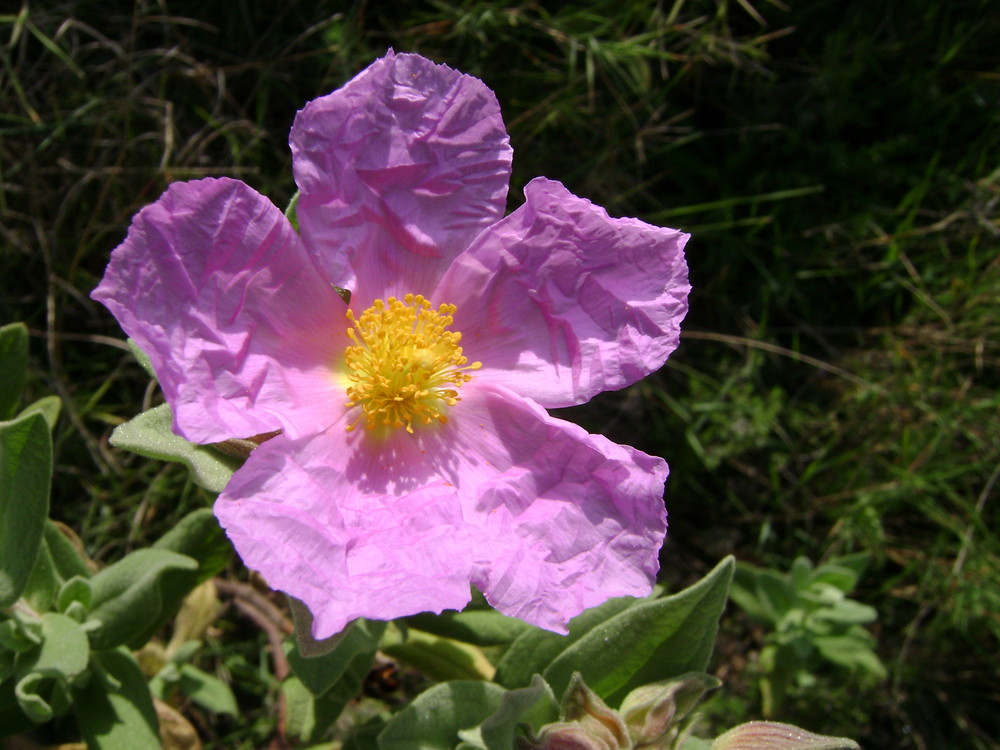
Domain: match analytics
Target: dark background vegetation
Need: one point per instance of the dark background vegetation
(838, 164)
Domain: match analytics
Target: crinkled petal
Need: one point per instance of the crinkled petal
(560, 302)
(344, 551)
(568, 519)
(215, 286)
(544, 518)
(398, 171)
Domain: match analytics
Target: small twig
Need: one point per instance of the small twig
(238, 590)
(93, 338)
(272, 621)
(775, 349)
(281, 667)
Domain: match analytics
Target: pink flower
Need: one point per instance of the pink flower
(415, 454)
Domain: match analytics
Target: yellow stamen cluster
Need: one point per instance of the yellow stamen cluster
(404, 365)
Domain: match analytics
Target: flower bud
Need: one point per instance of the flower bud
(654, 712)
(566, 736)
(583, 706)
(772, 735)
(588, 724)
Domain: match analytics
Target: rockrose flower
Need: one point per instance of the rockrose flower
(413, 453)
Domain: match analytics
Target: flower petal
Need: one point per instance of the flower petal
(398, 171)
(566, 520)
(559, 520)
(345, 552)
(215, 286)
(544, 518)
(560, 302)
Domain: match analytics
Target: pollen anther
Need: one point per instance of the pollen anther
(404, 365)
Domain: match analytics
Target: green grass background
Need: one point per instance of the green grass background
(838, 164)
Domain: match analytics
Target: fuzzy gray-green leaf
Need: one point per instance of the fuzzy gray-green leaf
(25, 474)
(150, 434)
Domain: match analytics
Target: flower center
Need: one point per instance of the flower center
(404, 366)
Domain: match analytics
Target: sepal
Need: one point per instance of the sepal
(584, 708)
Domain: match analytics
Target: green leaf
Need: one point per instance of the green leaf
(852, 651)
(348, 687)
(310, 716)
(291, 213)
(44, 584)
(207, 690)
(775, 594)
(365, 737)
(66, 558)
(57, 562)
(842, 578)
(64, 653)
(744, 592)
(534, 705)
(307, 716)
(306, 645)
(25, 476)
(35, 697)
(320, 673)
(75, 590)
(46, 673)
(198, 535)
(847, 612)
(856, 562)
(137, 594)
(438, 658)
(13, 367)
(20, 633)
(150, 434)
(651, 641)
(535, 648)
(142, 358)
(479, 627)
(435, 718)
(120, 719)
(300, 710)
(801, 573)
(48, 406)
